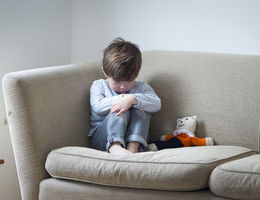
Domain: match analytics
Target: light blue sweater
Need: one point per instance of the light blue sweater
(102, 97)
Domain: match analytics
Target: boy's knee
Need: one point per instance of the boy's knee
(123, 116)
(140, 113)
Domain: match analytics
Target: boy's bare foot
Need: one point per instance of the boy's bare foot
(133, 147)
(117, 149)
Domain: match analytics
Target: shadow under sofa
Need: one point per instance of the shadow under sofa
(48, 115)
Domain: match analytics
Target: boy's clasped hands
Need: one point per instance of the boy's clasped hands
(123, 104)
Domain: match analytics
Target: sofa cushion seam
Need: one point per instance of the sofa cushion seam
(127, 161)
(238, 172)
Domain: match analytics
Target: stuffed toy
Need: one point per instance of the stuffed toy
(183, 136)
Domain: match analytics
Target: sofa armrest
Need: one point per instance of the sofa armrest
(47, 108)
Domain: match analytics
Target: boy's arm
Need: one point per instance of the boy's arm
(99, 103)
(123, 104)
(147, 99)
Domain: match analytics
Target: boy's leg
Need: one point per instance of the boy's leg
(111, 131)
(133, 147)
(116, 148)
(138, 130)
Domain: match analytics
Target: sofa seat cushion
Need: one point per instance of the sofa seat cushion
(180, 169)
(239, 179)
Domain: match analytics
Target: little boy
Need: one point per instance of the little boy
(120, 106)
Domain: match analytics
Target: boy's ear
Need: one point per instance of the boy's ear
(104, 72)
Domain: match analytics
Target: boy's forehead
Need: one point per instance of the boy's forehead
(128, 81)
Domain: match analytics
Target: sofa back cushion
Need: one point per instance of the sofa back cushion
(222, 90)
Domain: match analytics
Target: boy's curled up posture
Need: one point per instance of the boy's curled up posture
(120, 106)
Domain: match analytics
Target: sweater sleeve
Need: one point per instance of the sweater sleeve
(147, 99)
(101, 104)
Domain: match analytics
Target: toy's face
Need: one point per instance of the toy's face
(188, 123)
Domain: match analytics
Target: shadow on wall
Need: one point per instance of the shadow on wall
(167, 89)
(175, 104)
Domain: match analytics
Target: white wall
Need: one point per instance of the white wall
(33, 33)
(229, 26)
(39, 33)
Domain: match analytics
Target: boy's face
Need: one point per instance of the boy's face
(120, 87)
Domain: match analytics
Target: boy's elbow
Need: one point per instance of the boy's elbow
(159, 105)
(97, 109)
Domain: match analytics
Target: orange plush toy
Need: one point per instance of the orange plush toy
(183, 136)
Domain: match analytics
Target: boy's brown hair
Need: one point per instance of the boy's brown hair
(122, 60)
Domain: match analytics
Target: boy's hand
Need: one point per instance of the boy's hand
(123, 104)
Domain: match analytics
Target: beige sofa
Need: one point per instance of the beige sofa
(48, 114)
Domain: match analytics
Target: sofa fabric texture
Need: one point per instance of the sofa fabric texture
(179, 169)
(221, 89)
(56, 189)
(48, 108)
(238, 179)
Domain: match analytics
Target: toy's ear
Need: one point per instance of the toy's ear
(194, 117)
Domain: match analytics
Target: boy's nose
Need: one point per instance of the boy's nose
(122, 87)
